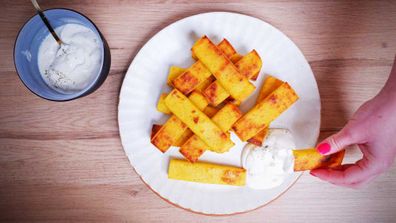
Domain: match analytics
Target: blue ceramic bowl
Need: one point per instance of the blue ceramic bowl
(27, 45)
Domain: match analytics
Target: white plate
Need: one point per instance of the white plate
(145, 80)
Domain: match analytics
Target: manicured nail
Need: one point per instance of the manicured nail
(324, 148)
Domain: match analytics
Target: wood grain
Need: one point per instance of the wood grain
(64, 161)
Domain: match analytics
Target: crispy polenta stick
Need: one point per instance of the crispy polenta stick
(198, 100)
(270, 84)
(236, 57)
(161, 107)
(263, 113)
(154, 130)
(209, 173)
(259, 137)
(227, 116)
(250, 65)
(195, 97)
(183, 138)
(226, 47)
(202, 86)
(215, 93)
(167, 135)
(237, 85)
(198, 122)
(210, 111)
(174, 71)
(224, 118)
(191, 78)
(309, 159)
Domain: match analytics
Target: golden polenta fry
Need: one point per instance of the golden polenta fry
(183, 138)
(161, 107)
(202, 86)
(215, 93)
(250, 65)
(198, 100)
(237, 85)
(191, 78)
(309, 159)
(270, 84)
(263, 113)
(210, 111)
(167, 135)
(259, 137)
(154, 130)
(209, 173)
(198, 122)
(226, 47)
(224, 118)
(174, 71)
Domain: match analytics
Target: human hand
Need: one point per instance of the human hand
(373, 129)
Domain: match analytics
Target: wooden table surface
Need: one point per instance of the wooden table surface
(65, 162)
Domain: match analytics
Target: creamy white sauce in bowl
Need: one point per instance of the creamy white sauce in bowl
(271, 164)
(73, 66)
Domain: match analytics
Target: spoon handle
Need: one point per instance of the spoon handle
(46, 22)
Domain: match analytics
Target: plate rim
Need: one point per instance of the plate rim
(299, 174)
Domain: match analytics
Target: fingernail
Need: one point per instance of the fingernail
(324, 148)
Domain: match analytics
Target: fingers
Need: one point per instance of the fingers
(338, 141)
(348, 175)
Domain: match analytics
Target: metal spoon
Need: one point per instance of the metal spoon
(46, 22)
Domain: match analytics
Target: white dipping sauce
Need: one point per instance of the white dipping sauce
(268, 166)
(74, 65)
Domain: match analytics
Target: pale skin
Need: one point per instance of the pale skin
(373, 129)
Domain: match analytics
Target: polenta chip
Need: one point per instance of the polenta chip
(210, 111)
(198, 100)
(161, 107)
(259, 137)
(224, 118)
(237, 85)
(167, 135)
(309, 159)
(198, 122)
(191, 78)
(226, 47)
(250, 65)
(183, 138)
(209, 173)
(270, 84)
(154, 130)
(263, 113)
(174, 71)
(215, 93)
(202, 86)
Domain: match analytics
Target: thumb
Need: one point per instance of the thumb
(338, 141)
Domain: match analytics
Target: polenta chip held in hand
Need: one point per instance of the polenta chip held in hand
(309, 159)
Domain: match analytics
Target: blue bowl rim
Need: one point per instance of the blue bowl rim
(86, 91)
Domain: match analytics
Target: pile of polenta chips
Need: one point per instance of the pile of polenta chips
(203, 108)
(204, 102)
